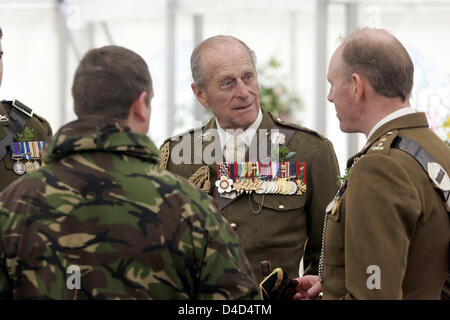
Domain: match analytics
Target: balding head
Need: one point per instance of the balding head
(211, 45)
(381, 59)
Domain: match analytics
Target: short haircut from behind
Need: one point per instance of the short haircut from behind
(1, 33)
(382, 59)
(107, 82)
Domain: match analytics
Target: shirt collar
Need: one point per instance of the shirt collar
(394, 115)
(247, 135)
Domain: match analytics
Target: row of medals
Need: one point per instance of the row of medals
(20, 168)
(277, 186)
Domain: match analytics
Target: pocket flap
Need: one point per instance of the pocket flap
(280, 202)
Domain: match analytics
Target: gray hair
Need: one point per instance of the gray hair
(197, 74)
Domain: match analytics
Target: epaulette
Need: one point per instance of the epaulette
(383, 144)
(22, 108)
(291, 125)
(165, 149)
(16, 104)
(180, 135)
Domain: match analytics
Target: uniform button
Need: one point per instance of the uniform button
(389, 133)
(233, 226)
(281, 207)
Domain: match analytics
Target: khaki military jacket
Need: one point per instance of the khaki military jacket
(41, 129)
(278, 228)
(388, 237)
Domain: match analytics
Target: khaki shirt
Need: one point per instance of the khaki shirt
(287, 227)
(389, 237)
(41, 129)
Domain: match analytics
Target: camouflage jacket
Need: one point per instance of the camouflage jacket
(133, 231)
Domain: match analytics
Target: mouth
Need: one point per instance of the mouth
(240, 108)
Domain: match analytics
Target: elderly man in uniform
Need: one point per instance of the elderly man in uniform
(387, 230)
(272, 180)
(101, 220)
(22, 135)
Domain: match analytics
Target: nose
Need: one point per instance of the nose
(242, 90)
(330, 96)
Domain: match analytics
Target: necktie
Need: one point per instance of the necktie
(235, 150)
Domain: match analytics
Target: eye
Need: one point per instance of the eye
(248, 76)
(227, 84)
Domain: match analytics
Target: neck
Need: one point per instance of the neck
(381, 109)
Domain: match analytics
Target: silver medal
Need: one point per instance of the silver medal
(36, 164)
(293, 188)
(19, 168)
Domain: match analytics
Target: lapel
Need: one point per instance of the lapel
(211, 124)
(413, 120)
(253, 152)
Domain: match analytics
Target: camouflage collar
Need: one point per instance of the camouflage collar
(95, 134)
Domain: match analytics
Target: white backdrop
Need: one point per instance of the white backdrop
(32, 66)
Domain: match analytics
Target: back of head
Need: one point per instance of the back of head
(1, 33)
(107, 82)
(215, 42)
(382, 60)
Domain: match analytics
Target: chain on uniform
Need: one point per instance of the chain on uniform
(321, 260)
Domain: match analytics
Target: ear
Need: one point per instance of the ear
(201, 95)
(358, 87)
(139, 106)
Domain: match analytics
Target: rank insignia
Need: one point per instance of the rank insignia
(378, 147)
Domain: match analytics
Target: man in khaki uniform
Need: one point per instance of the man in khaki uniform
(387, 230)
(19, 124)
(278, 216)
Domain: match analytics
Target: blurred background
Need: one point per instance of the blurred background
(43, 41)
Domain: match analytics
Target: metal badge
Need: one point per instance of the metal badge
(3, 118)
(29, 167)
(19, 168)
(36, 164)
(439, 176)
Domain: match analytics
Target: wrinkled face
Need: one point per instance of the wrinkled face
(1, 62)
(231, 89)
(341, 89)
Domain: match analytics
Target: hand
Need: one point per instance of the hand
(308, 288)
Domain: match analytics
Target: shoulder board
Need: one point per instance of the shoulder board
(22, 108)
(164, 150)
(180, 135)
(16, 104)
(280, 122)
(383, 144)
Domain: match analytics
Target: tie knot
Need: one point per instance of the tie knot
(235, 149)
(235, 143)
